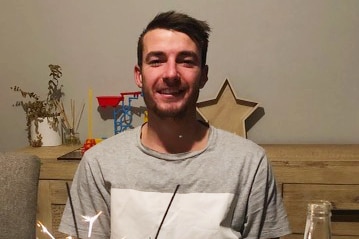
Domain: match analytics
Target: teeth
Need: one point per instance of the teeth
(169, 91)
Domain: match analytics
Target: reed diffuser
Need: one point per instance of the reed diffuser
(71, 122)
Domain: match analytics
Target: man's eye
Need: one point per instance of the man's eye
(154, 62)
(189, 63)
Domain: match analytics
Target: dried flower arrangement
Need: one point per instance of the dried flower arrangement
(37, 110)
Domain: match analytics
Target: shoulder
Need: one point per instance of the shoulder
(231, 140)
(114, 146)
(236, 150)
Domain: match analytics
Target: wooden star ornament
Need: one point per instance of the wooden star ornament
(227, 111)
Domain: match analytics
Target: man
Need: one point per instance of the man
(175, 177)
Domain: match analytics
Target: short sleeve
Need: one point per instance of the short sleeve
(266, 215)
(89, 196)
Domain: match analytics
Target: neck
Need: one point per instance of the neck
(174, 135)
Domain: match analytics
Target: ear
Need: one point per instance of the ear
(138, 76)
(204, 77)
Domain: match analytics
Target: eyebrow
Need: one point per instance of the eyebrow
(190, 54)
(153, 54)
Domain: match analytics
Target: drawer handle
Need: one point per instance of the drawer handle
(345, 215)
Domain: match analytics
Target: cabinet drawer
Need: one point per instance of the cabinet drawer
(52, 197)
(345, 200)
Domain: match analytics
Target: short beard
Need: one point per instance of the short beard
(175, 114)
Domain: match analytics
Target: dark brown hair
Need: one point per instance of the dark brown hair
(197, 30)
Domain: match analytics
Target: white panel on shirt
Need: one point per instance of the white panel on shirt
(137, 215)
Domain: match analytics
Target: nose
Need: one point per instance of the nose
(171, 72)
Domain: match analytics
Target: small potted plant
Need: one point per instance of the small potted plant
(38, 110)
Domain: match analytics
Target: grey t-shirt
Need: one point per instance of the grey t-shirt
(226, 190)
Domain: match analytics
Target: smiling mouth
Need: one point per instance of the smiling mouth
(173, 92)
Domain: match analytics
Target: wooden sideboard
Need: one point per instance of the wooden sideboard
(311, 172)
(303, 172)
(52, 192)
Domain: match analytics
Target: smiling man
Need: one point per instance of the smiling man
(175, 177)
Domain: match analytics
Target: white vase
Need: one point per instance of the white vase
(50, 136)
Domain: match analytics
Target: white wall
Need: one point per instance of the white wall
(299, 59)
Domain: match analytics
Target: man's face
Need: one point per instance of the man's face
(171, 74)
